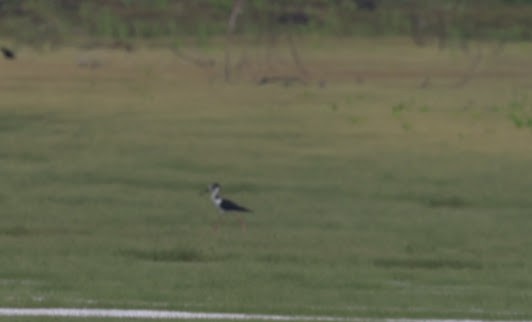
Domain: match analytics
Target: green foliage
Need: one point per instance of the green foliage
(398, 109)
(106, 23)
(56, 20)
(424, 109)
(520, 111)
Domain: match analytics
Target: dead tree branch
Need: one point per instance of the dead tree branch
(238, 6)
(296, 57)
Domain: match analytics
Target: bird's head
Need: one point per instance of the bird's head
(214, 186)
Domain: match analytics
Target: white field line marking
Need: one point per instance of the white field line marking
(180, 315)
(156, 314)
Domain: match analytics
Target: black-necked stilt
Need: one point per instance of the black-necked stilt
(225, 205)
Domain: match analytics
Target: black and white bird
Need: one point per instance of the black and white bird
(225, 205)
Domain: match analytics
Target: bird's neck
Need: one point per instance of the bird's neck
(215, 195)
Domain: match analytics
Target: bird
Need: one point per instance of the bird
(8, 53)
(225, 205)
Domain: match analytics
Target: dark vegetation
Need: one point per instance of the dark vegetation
(116, 23)
(184, 24)
(8, 53)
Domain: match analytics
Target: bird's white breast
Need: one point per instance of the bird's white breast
(216, 200)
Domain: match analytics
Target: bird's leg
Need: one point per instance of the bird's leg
(216, 226)
(242, 223)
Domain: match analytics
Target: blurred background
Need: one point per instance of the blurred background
(180, 24)
(55, 23)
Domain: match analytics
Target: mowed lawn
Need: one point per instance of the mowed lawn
(385, 190)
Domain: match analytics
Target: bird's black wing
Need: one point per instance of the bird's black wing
(231, 206)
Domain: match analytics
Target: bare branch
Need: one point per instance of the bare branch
(238, 6)
(295, 56)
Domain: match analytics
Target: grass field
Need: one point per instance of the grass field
(371, 196)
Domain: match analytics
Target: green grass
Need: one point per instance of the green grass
(354, 214)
